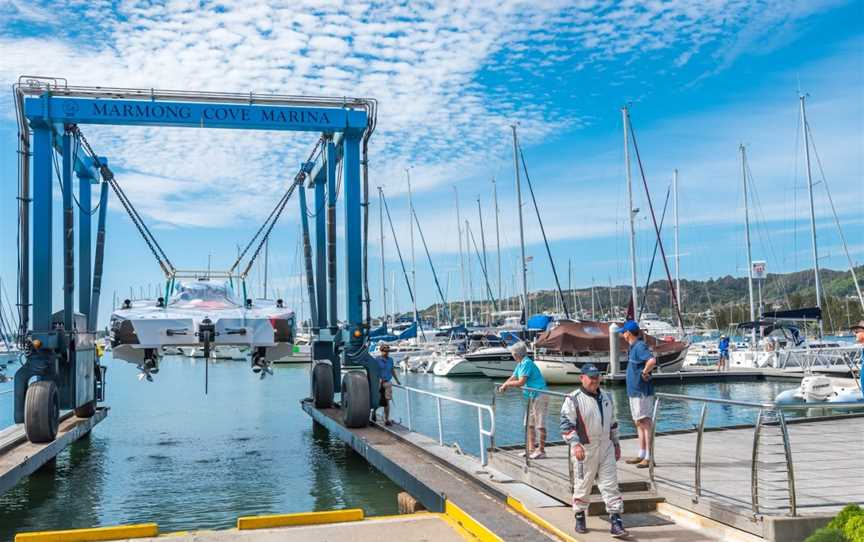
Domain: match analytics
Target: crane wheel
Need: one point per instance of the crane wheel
(355, 399)
(41, 411)
(322, 385)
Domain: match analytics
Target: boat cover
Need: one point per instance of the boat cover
(573, 338)
(539, 322)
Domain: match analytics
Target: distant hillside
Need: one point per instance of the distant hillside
(714, 302)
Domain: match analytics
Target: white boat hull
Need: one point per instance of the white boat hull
(455, 366)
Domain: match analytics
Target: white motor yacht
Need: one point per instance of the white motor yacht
(455, 365)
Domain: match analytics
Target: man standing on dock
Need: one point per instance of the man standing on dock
(640, 389)
(386, 372)
(858, 330)
(528, 374)
(723, 347)
(589, 426)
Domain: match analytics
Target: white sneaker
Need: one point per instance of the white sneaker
(537, 455)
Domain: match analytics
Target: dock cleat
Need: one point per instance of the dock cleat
(617, 529)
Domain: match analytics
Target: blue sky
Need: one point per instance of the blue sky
(701, 77)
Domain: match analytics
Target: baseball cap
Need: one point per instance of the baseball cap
(590, 370)
(631, 326)
(859, 325)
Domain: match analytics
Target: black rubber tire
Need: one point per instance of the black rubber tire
(41, 411)
(355, 399)
(322, 385)
(87, 410)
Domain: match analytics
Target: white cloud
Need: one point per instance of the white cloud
(421, 61)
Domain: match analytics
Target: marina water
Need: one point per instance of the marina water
(168, 453)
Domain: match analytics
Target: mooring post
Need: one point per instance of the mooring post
(614, 366)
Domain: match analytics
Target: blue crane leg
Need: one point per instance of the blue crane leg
(85, 243)
(353, 248)
(307, 254)
(99, 258)
(320, 253)
(68, 236)
(43, 302)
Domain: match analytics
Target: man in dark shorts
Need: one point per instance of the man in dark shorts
(386, 373)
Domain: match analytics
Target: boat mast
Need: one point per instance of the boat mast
(524, 264)
(483, 243)
(465, 319)
(383, 268)
(677, 249)
(812, 214)
(749, 251)
(625, 114)
(470, 282)
(411, 226)
(497, 233)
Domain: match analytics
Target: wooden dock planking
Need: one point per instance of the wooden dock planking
(20, 458)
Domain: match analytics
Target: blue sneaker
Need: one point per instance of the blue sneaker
(581, 528)
(617, 529)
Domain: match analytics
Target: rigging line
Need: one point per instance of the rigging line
(653, 258)
(57, 170)
(281, 202)
(108, 176)
(657, 230)
(485, 275)
(264, 238)
(434, 274)
(836, 219)
(543, 231)
(399, 253)
(765, 240)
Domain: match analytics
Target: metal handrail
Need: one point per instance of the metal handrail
(482, 431)
(775, 409)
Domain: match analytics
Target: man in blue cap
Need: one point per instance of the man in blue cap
(589, 426)
(640, 389)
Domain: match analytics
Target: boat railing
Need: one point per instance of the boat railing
(771, 420)
(483, 430)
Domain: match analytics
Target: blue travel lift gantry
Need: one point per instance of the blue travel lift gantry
(61, 369)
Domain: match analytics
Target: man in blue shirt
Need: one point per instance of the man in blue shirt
(858, 330)
(528, 374)
(640, 389)
(386, 373)
(723, 347)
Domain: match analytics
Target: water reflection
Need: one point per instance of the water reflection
(170, 454)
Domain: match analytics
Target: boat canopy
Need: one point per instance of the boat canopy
(204, 295)
(539, 322)
(795, 315)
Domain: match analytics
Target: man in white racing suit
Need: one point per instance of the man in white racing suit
(589, 426)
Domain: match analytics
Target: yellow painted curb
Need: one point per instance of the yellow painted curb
(303, 518)
(118, 532)
(522, 510)
(470, 525)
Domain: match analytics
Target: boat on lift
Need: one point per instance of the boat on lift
(202, 313)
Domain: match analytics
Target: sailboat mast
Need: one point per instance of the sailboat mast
(523, 263)
(497, 234)
(470, 282)
(411, 226)
(817, 282)
(482, 240)
(677, 249)
(461, 258)
(383, 268)
(625, 114)
(749, 251)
